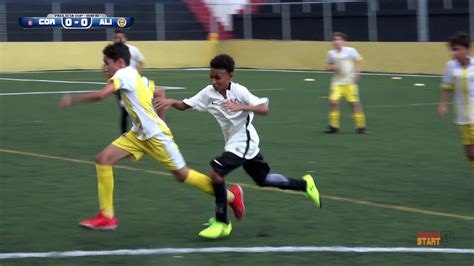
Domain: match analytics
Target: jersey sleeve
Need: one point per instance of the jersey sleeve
(139, 56)
(122, 81)
(447, 82)
(355, 55)
(249, 99)
(198, 102)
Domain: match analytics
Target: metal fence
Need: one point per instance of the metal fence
(362, 20)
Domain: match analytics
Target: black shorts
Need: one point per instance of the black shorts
(257, 168)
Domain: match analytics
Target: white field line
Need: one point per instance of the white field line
(284, 249)
(321, 72)
(77, 82)
(240, 69)
(39, 93)
(72, 92)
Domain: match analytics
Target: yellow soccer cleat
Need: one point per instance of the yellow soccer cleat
(311, 190)
(216, 230)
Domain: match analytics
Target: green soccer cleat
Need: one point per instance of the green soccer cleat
(311, 190)
(216, 230)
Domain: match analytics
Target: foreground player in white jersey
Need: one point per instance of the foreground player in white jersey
(234, 106)
(136, 61)
(346, 63)
(458, 79)
(149, 135)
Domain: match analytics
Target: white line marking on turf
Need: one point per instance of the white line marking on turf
(322, 72)
(66, 92)
(39, 92)
(78, 82)
(285, 249)
(239, 69)
(54, 81)
(405, 105)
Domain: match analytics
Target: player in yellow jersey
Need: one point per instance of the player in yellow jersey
(458, 79)
(149, 135)
(346, 64)
(137, 61)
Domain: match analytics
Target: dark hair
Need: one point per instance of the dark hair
(339, 34)
(223, 61)
(116, 51)
(459, 38)
(120, 31)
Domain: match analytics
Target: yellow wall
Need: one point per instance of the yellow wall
(379, 57)
(29, 56)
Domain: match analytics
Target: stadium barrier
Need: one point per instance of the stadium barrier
(391, 57)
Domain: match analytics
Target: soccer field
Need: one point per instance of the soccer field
(408, 175)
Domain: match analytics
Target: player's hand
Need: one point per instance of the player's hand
(231, 106)
(65, 101)
(355, 77)
(442, 110)
(163, 103)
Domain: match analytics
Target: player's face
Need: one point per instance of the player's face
(337, 42)
(120, 37)
(111, 66)
(220, 79)
(460, 52)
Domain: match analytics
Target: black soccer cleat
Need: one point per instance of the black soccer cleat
(361, 130)
(331, 130)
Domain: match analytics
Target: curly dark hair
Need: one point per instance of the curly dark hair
(116, 51)
(223, 61)
(459, 38)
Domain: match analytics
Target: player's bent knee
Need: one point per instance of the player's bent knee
(100, 159)
(181, 174)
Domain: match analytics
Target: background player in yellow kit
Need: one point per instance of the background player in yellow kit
(458, 79)
(346, 64)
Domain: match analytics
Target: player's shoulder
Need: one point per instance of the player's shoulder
(238, 88)
(131, 46)
(206, 90)
(451, 64)
(349, 49)
(126, 72)
(332, 52)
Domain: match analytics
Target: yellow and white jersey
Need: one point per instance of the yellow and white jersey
(461, 80)
(344, 61)
(137, 95)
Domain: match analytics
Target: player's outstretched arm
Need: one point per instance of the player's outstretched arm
(261, 109)
(165, 103)
(443, 104)
(95, 96)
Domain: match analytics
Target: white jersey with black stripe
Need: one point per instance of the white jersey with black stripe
(240, 136)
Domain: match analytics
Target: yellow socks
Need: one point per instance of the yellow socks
(105, 180)
(359, 120)
(334, 119)
(203, 183)
(199, 181)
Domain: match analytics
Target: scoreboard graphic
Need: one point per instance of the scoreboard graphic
(75, 21)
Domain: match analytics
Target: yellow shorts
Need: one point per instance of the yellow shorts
(349, 91)
(163, 150)
(467, 133)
